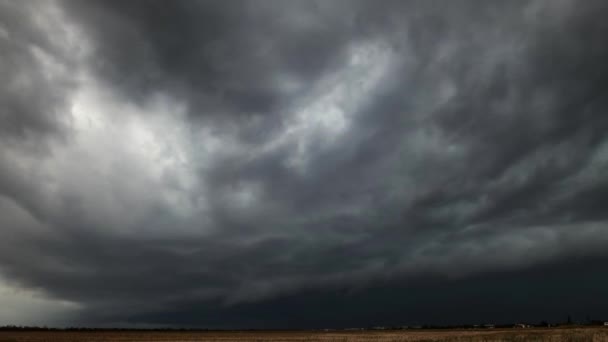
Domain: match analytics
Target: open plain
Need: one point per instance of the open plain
(552, 334)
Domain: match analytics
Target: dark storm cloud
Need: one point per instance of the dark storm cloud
(499, 297)
(224, 58)
(323, 147)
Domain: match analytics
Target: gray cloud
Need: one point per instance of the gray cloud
(239, 155)
(32, 93)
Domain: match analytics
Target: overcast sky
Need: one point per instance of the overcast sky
(302, 163)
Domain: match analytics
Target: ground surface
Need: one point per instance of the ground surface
(556, 335)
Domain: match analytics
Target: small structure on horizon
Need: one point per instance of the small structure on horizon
(606, 324)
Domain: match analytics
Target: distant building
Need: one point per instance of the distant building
(606, 324)
(488, 326)
(521, 325)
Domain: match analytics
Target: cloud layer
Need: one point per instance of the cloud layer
(158, 156)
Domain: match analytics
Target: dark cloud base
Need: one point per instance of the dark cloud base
(549, 292)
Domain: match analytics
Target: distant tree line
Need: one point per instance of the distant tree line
(569, 322)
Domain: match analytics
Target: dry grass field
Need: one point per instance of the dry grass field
(555, 335)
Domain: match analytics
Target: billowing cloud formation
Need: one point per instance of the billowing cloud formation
(159, 153)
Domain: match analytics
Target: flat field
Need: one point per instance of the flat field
(555, 335)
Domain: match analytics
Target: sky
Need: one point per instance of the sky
(302, 164)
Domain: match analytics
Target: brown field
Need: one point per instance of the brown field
(556, 335)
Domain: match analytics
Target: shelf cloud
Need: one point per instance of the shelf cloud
(162, 162)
